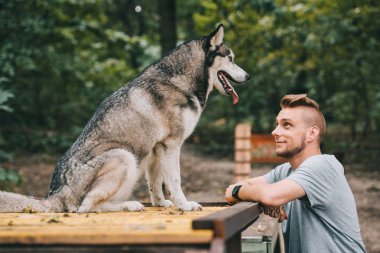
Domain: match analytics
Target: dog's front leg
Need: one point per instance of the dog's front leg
(172, 180)
(155, 176)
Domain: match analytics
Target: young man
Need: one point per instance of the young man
(318, 203)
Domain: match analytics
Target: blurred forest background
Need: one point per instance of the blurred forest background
(60, 58)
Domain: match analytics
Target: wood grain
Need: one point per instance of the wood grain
(152, 226)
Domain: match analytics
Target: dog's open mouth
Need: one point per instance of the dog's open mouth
(224, 79)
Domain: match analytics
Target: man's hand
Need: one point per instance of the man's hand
(275, 212)
(228, 194)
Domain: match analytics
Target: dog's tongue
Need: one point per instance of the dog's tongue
(235, 97)
(230, 90)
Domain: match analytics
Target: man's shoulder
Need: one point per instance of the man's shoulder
(283, 166)
(278, 173)
(324, 163)
(321, 160)
(284, 169)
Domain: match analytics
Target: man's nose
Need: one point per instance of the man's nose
(275, 132)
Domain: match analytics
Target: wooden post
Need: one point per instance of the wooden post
(242, 151)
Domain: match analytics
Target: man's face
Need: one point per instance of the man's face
(290, 132)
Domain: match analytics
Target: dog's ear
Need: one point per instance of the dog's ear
(216, 37)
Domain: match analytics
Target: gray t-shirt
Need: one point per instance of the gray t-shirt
(325, 219)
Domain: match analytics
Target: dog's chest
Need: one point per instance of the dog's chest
(190, 120)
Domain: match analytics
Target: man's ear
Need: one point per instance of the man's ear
(216, 37)
(313, 133)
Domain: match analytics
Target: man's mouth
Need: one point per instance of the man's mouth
(224, 79)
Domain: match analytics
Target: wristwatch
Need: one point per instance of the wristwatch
(235, 192)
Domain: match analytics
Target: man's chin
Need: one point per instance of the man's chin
(285, 155)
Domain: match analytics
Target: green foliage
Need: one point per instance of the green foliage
(328, 49)
(59, 59)
(8, 179)
(4, 96)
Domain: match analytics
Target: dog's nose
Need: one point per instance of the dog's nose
(247, 77)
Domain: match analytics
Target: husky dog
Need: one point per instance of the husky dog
(141, 126)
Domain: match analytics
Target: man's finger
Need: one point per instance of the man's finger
(273, 212)
(277, 212)
(283, 216)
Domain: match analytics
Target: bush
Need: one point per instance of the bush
(9, 179)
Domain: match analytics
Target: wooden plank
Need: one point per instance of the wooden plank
(242, 151)
(242, 130)
(262, 236)
(135, 248)
(265, 229)
(243, 156)
(230, 221)
(242, 168)
(155, 225)
(243, 144)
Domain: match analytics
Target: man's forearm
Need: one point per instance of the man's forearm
(275, 194)
(252, 192)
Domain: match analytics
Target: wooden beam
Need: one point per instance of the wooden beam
(230, 221)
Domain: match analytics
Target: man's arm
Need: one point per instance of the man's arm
(250, 181)
(275, 194)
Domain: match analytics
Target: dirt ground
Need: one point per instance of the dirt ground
(204, 179)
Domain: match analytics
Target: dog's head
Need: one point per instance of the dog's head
(221, 66)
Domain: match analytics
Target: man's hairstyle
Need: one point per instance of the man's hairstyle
(311, 119)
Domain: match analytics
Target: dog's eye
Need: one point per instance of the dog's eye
(230, 58)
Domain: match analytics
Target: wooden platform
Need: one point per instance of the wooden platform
(154, 225)
(215, 227)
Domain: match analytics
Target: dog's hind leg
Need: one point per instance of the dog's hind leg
(113, 184)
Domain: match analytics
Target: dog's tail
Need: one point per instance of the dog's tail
(16, 203)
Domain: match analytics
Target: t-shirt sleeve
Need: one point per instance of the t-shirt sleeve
(317, 178)
(276, 174)
(269, 177)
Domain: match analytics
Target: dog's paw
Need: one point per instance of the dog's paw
(133, 206)
(190, 206)
(164, 203)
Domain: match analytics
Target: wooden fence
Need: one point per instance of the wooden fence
(252, 149)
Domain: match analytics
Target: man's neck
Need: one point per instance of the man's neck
(296, 160)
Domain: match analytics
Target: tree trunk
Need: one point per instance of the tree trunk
(167, 12)
(126, 13)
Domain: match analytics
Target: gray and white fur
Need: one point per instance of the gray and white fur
(140, 127)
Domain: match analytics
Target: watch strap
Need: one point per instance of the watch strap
(235, 192)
